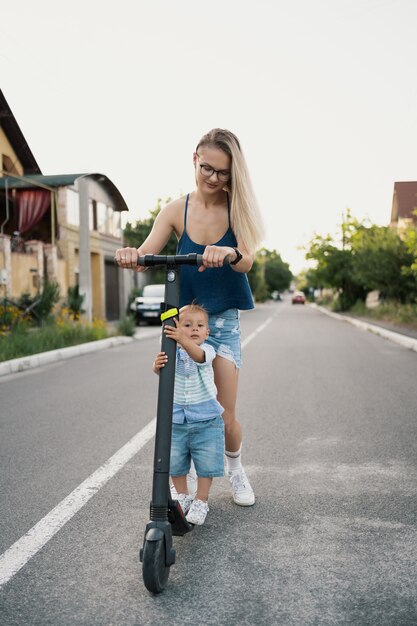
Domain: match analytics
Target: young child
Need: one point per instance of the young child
(197, 429)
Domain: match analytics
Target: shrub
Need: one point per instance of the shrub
(75, 302)
(126, 326)
(9, 316)
(24, 341)
(136, 291)
(39, 308)
(261, 292)
(48, 298)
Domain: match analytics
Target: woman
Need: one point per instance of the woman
(222, 209)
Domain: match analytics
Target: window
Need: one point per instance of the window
(101, 217)
(116, 224)
(94, 210)
(108, 220)
(73, 210)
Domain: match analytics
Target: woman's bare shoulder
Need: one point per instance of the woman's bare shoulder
(175, 205)
(173, 212)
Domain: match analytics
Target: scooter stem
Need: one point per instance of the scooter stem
(160, 488)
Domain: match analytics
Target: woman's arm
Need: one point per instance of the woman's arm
(163, 227)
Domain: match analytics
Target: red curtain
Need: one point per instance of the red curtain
(32, 204)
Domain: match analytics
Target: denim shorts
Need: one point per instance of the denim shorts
(225, 335)
(203, 442)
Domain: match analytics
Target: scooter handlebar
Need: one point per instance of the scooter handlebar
(150, 260)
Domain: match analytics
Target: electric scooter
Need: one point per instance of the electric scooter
(166, 516)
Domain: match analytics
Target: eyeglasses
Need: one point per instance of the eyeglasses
(207, 171)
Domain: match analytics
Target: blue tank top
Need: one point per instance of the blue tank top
(216, 289)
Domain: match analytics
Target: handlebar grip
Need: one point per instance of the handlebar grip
(170, 259)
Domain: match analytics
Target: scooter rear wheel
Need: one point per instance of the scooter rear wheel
(155, 572)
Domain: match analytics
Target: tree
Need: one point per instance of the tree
(410, 240)
(256, 279)
(278, 275)
(334, 265)
(378, 258)
(366, 258)
(135, 234)
(269, 273)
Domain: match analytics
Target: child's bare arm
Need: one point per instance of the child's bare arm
(160, 361)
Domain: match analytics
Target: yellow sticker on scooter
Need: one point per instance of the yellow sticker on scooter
(167, 314)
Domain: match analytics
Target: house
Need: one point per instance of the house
(64, 228)
(404, 204)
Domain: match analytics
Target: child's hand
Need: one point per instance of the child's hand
(174, 332)
(160, 362)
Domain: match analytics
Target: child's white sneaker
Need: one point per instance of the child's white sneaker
(185, 502)
(198, 512)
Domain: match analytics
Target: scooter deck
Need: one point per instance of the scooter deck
(176, 517)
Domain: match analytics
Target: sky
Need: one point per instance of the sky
(322, 95)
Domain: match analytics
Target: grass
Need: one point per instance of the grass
(24, 340)
(391, 312)
(19, 336)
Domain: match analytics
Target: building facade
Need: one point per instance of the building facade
(63, 228)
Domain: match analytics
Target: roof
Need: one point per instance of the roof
(37, 180)
(64, 180)
(15, 136)
(404, 201)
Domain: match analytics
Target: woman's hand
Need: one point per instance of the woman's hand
(214, 256)
(128, 258)
(160, 361)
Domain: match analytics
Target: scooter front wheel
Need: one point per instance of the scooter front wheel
(155, 572)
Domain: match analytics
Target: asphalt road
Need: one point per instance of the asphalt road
(330, 421)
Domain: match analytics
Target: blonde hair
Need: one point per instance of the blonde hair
(194, 308)
(245, 215)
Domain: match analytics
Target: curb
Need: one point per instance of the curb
(402, 340)
(51, 356)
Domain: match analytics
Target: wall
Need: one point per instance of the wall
(61, 278)
(25, 274)
(6, 148)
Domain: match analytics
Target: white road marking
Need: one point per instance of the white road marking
(255, 332)
(34, 540)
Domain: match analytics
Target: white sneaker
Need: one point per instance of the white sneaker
(185, 501)
(198, 512)
(241, 490)
(192, 480)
